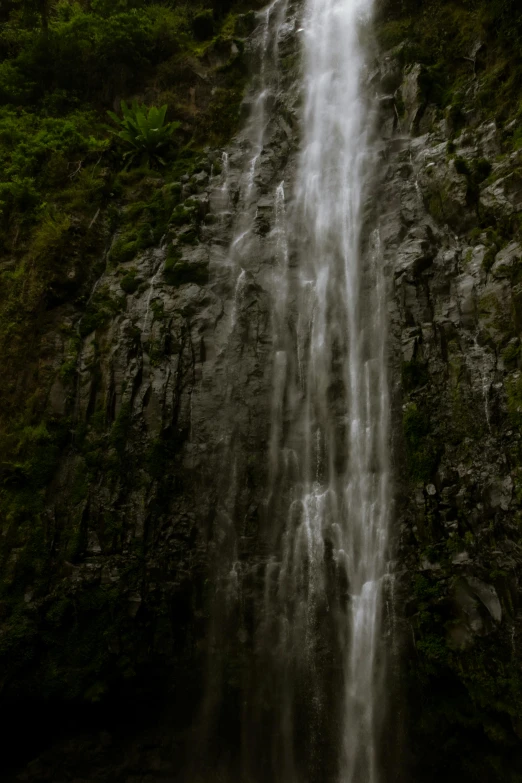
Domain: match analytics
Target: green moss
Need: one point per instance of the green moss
(514, 400)
(102, 307)
(481, 169)
(441, 36)
(51, 236)
(393, 33)
(145, 220)
(420, 448)
(239, 24)
(68, 369)
(497, 318)
(183, 215)
(69, 365)
(461, 167)
(189, 236)
(130, 282)
(222, 116)
(131, 243)
(511, 354)
(456, 119)
(158, 310)
(433, 85)
(178, 272)
(436, 204)
(451, 147)
(460, 695)
(489, 258)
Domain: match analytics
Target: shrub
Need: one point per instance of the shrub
(130, 283)
(130, 243)
(50, 236)
(19, 194)
(146, 132)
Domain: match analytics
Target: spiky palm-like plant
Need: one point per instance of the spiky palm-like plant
(144, 130)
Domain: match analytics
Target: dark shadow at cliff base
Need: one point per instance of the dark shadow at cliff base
(456, 740)
(139, 730)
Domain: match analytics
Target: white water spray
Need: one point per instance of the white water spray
(332, 376)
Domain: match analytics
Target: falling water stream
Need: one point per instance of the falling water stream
(334, 396)
(319, 659)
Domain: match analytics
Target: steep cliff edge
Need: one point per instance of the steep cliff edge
(138, 428)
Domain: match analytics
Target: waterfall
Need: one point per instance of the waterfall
(312, 700)
(335, 393)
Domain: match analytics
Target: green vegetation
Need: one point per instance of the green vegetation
(455, 41)
(101, 308)
(179, 272)
(464, 687)
(130, 283)
(67, 209)
(514, 400)
(62, 67)
(421, 450)
(146, 132)
(511, 354)
(203, 24)
(62, 191)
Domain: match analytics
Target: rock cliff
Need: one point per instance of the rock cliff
(451, 236)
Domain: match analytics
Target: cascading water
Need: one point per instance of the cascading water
(314, 698)
(335, 393)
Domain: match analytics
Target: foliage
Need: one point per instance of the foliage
(146, 132)
(442, 36)
(37, 152)
(101, 308)
(59, 193)
(130, 283)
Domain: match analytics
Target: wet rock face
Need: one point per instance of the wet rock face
(453, 257)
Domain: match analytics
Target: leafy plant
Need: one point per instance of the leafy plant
(146, 132)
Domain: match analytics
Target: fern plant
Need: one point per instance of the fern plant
(145, 131)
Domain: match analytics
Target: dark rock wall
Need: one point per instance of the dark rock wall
(450, 229)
